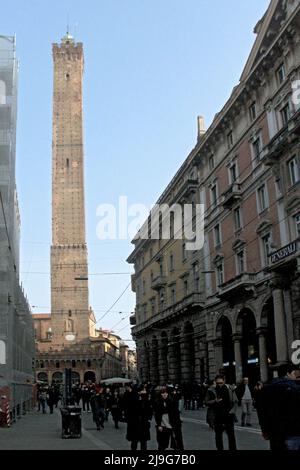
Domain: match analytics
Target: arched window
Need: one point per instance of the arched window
(57, 377)
(73, 363)
(57, 365)
(42, 377)
(2, 92)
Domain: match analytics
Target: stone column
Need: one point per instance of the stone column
(163, 361)
(211, 362)
(279, 320)
(81, 373)
(154, 378)
(199, 339)
(143, 364)
(198, 357)
(238, 358)
(263, 358)
(186, 359)
(218, 348)
(174, 362)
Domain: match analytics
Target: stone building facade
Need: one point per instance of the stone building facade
(16, 326)
(245, 170)
(128, 358)
(99, 359)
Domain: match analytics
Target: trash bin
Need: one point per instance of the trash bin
(71, 422)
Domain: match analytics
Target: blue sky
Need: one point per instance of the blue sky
(150, 68)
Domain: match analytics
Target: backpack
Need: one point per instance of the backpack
(232, 398)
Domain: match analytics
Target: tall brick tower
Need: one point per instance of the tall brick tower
(68, 338)
(70, 315)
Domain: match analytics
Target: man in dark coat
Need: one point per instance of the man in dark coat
(138, 414)
(97, 405)
(168, 422)
(279, 414)
(224, 419)
(51, 399)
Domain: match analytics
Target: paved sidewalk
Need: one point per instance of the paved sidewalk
(43, 431)
(37, 431)
(201, 416)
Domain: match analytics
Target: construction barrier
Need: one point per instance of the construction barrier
(4, 407)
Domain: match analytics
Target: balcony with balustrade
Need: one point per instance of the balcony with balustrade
(231, 195)
(240, 285)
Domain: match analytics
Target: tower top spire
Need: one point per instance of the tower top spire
(68, 37)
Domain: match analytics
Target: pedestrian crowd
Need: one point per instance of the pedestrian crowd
(276, 402)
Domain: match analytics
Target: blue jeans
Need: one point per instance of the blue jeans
(293, 443)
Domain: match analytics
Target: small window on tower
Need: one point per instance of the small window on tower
(67, 76)
(70, 313)
(68, 163)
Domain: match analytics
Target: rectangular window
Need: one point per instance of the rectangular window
(266, 244)
(196, 277)
(233, 173)
(172, 225)
(144, 287)
(280, 73)
(240, 257)
(217, 235)
(171, 262)
(230, 139)
(211, 162)
(162, 299)
(173, 295)
(183, 252)
(220, 274)
(256, 148)
(237, 218)
(285, 114)
(161, 269)
(185, 288)
(297, 224)
(262, 198)
(152, 307)
(252, 111)
(213, 196)
(293, 171)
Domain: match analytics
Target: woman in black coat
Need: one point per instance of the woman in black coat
(168, 422)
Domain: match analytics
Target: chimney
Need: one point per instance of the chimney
(201, 128)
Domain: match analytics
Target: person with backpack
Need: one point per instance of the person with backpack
(224, 417)
(233, 401)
